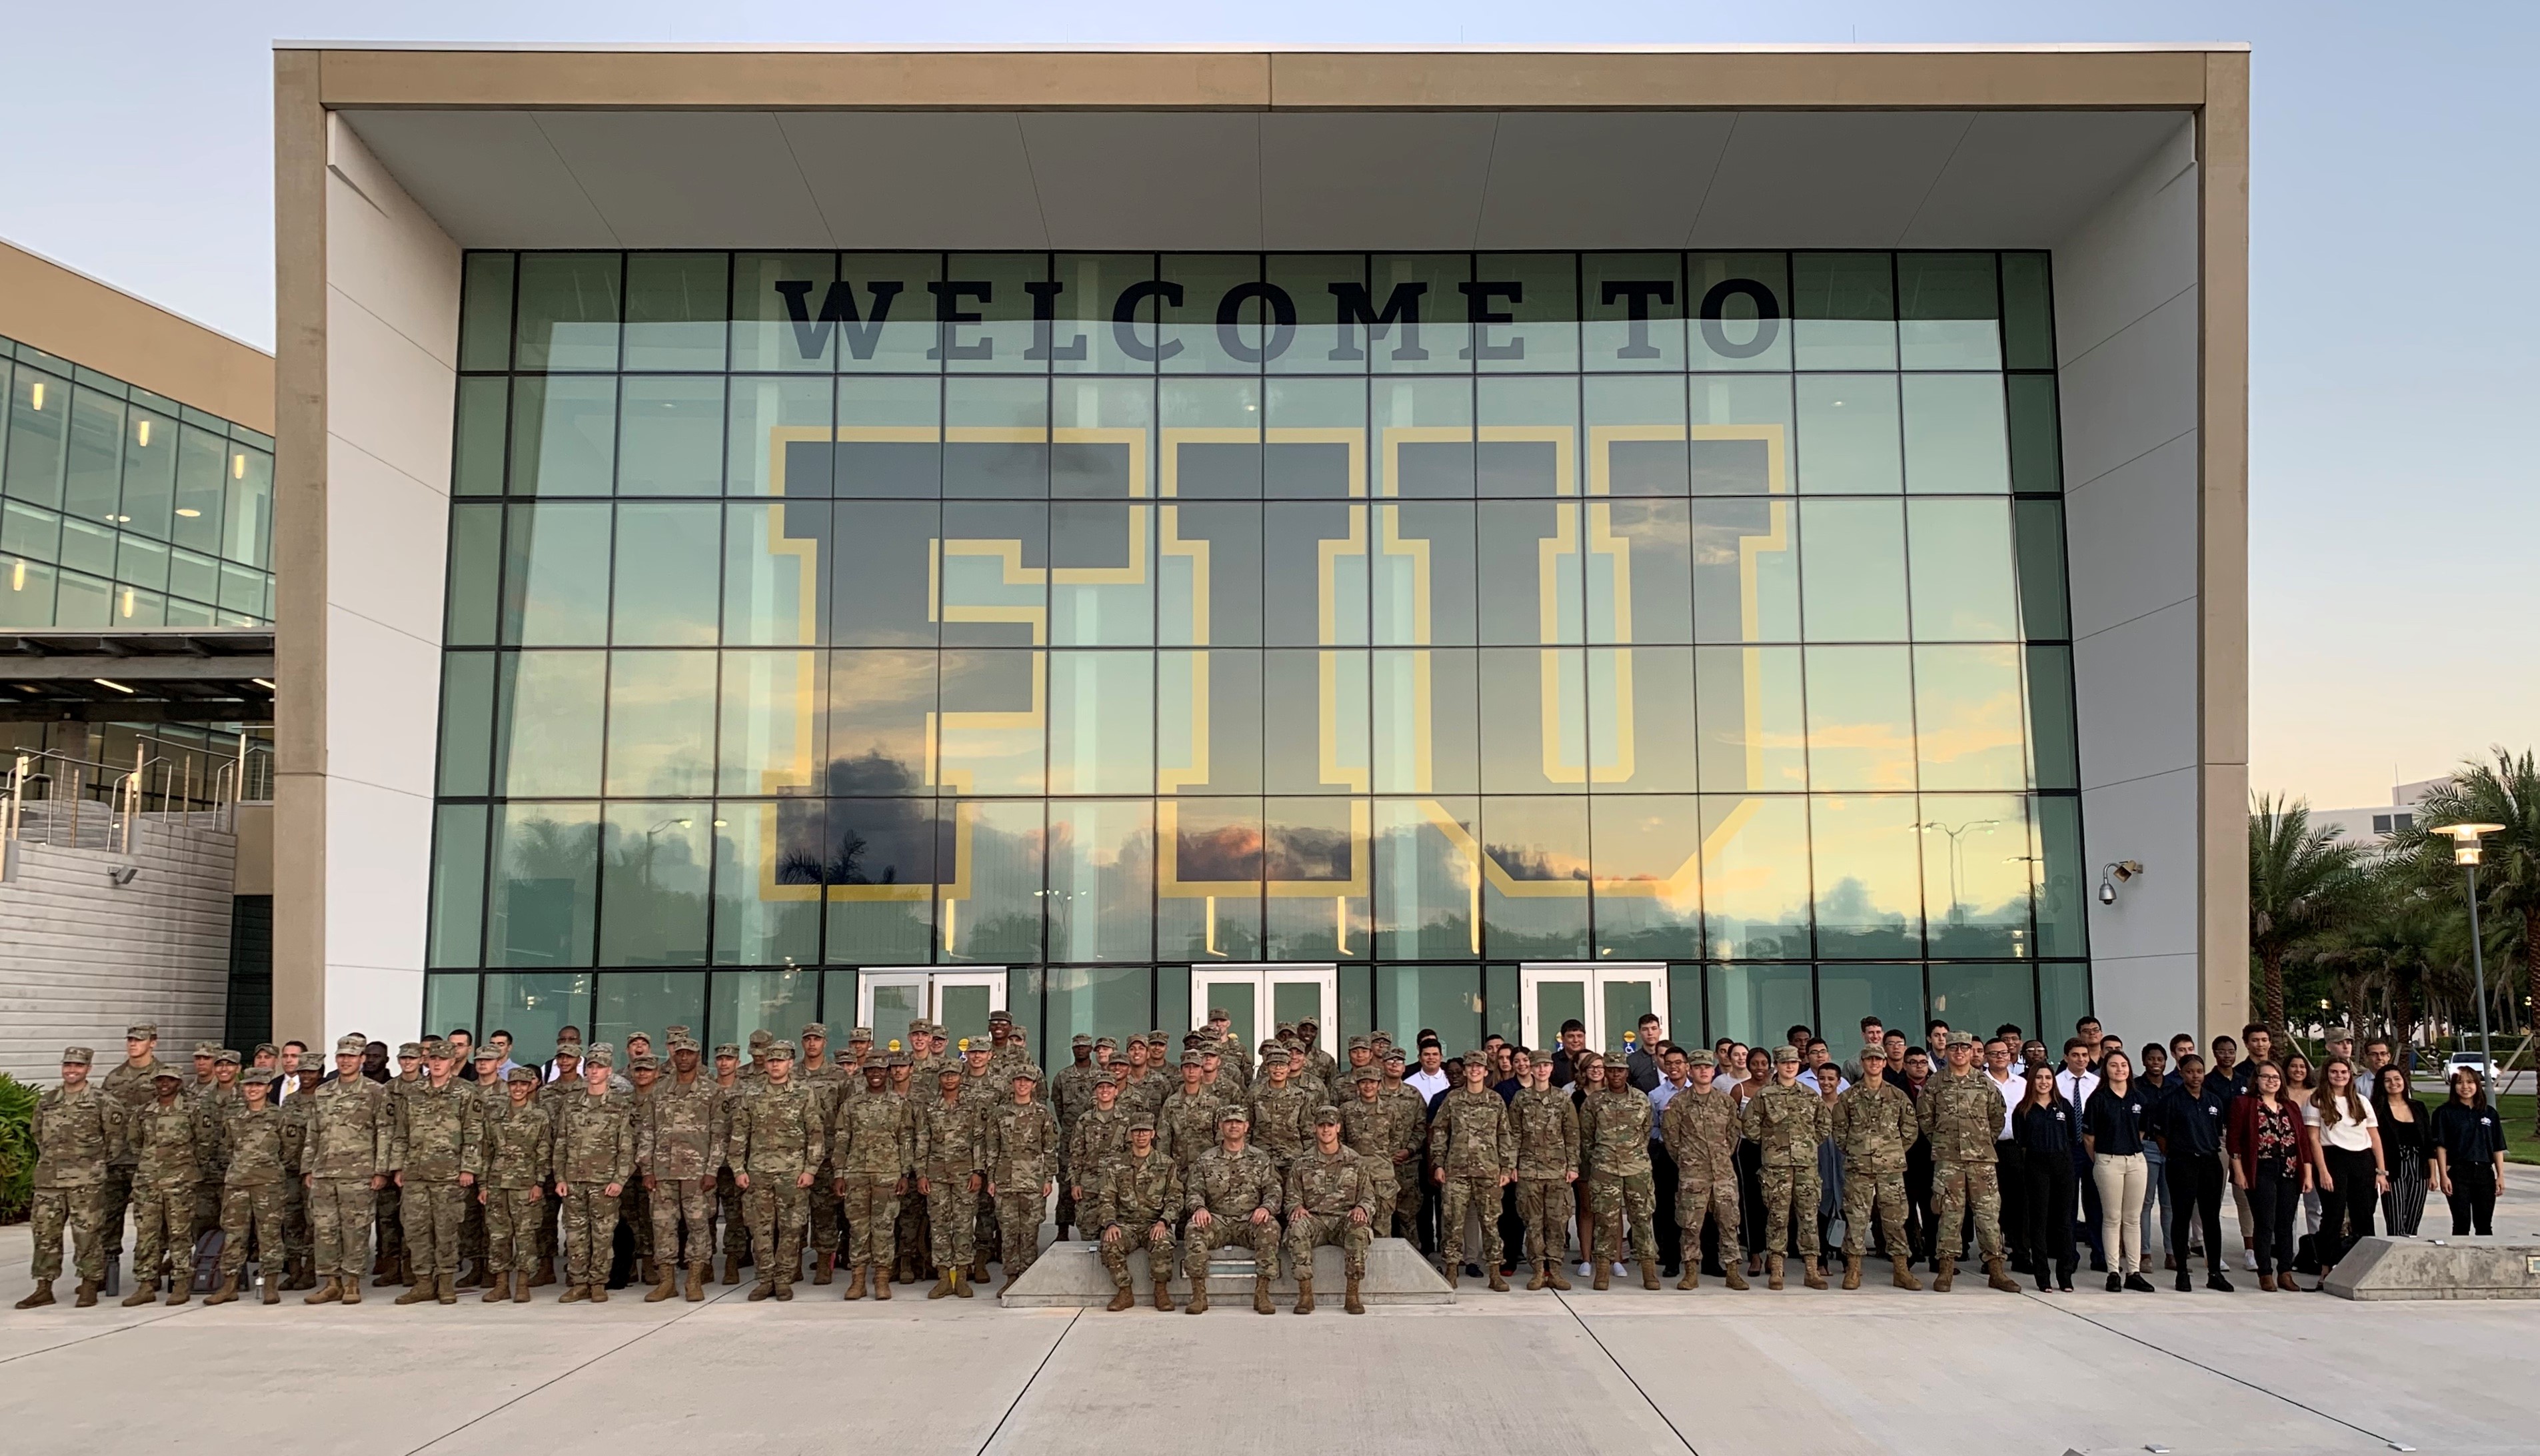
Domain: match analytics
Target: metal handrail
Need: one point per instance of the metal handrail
(128, 789)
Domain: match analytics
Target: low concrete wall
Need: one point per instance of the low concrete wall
(2498, 1266)
(1070, 1274)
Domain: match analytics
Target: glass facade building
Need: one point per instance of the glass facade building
(122, 510)
(1092, 618)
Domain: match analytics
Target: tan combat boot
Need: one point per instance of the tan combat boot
(1163, 1279)
(325, 1293)
(647, 1271)
(696, 1283)
(391, 1272)
(86, 1298)
(575, 1294)
(1499, 1281)
(1735, 1266)
(1553, 1274)
(1349, 1302)
(662, 1289)
(273, 1282)
(225, 1293)
(762, 1289)
(1121, 1298)
(1304, 1296)
(1692, 1274)
(498, 1288)
(1604, 1276)
(471, 1275)
(824, 1269)
(732, 1269)
(1199, 1295)
(962, 1286)
(299, 1274)
(38, 1297)
(943, 1286)
(545, 1275)
(144, 1291)
(1994, 1278)
(880, 1282)
(445, 1286)
(1945, 1275)
(1261, 1295)
(1816, 1279)
(520, 1288)
(352, 1291)
(1452, 1268)
(1649, 1273)
(598, 1291)
(1852, 1270)
(421, 1291)
(1772, 1270)
(1903, 1277)
(1543, 1276)
(855, 1283)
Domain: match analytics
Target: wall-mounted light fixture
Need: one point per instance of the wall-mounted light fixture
(2113, 875)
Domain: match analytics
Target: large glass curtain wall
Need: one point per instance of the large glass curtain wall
(122, 510)
(1100, 615)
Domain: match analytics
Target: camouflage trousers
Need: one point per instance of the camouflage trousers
(1955, 1187)
(682, 1220)
(1018, 1228)
(341, 1211)
(1230, 1232)
(163, 1230)
(472, 1230)
(253, 1208)
(1787, 1190)
(1865, 1191)
(1065, 1214)
(983, 1227)
(731, 1211)
(114, 1200)
(635, 1210)
(1714, 1196)
(912, 1236)
(1456, 1195)
(1307, 1230)
(1406, 1200)
(1544, 1205)
(1121, 1242)
(590, 1233)
(777, 1209)
(551, 1215)
(428, 1219)
(955, 1236)
(82, 1211)
(512, 1219)
(299, 1239)
(207, 1204)
(825, 1210)
(871, 1206)
(1621, 1203)
(387, 1209)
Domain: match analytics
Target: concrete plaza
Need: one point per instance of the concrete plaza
(1710, 1371)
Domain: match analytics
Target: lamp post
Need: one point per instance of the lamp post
(2465, 855)
(1953, 834)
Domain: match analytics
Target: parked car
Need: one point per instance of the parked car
(2474, 1062)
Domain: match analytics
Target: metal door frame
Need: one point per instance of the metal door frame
(1598, 974)
(932, 979)
(1263, 975)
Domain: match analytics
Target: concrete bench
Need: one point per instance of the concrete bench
(1070, 1274)
(2430, 1268)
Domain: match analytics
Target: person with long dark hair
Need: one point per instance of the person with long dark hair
(2043, 1126)
(2271, 1162)
(2113, 1125)
(2407, 1141)
(2469, 1154)
(2351, 1170)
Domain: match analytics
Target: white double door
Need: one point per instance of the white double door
(1607, 998)
(1258, 998)
(888, 999)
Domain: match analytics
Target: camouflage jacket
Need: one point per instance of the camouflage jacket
(75, 1135)
(1873, 1124)
(594, 1139)
(430, 1130)
(1097, 1138)
(1374, 1131)
(1186, 1126)
(876, 1137)
(1546, 1128)
(1614, 1132)
(1135, 1192)
(951, 1138)
(1788, 1124)
(1145, 1095)
(776, 1131)
(347, 1129)
(1231, 1185)
(1410, 1115)
(515, 1146)
(1338, 1183)
(130, 1087)
(1961, 1115)
(175, 1144)
(1283, 1119)
(259, 1145)
(1071, 1092)
(1023, 1147)
(1469, 1136)
(679, 1131)
(1700, 1129)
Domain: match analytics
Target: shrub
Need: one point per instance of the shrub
(16, 1147)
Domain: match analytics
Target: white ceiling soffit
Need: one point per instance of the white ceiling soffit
(1202, 180)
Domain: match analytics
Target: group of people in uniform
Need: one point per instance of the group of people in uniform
(921, 1159)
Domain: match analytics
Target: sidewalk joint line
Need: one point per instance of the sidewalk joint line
(1624, 1371)
(1016, 1403)
(2389, 1441)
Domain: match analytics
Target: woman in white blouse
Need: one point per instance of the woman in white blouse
(2352, 1173)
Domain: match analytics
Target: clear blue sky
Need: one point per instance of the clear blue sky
(2393, 320)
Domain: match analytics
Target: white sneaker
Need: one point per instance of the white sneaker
(1587, 1271)
(2249, 1259)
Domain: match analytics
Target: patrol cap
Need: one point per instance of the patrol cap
(78, 1057)
(351, 1044)
(1308, 1024)
(860, 1033)
(819, 1030)
(518, 1072)
(1106, 1080)
(566, 1049)
(1366, 1074)
(781, 1051)
(727, 1049)
(949, 1069)
(1394, 1054)
(1327, 1113)
(601, 1054)
(1082, 1040)
(996, 1017)
(642, 1062)
(1231, 1113)
(977, 1046)
(681, 1041)
(677, 1034)
(897, 1058)
(1357, 1042)
(1100, 1042)
(633, 1037)
(1025, 1072)
(409, 1050)
(259, 1076)
(1700, 1058)
(1789, 1055)
(1156, 1038)
(167, 1072)
(1619, 1056)
(1220, 1014)
(311, 1061)
(1191, 1059)
(1962, 1038)
(229, 1055)
(434, 1046)
(1141, 1125)
(1194, 1040)
(1274, 1055)
(205, 1048)
(141, 1031)
(267, 1049)
(1873, 1051)
(487, 1053)
(761, 1038)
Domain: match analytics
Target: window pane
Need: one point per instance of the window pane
(564, 435)
(778, 438)
(1313, 428)
(1314, 857)
(653, 884)
(2028, 312)
(1954, 434)
(669, 440)
(1425, 569)
(1424, 438)
(1189, 337)
(1634, 305)
(1316, 566)
(1209, 573)
(993, 332)
(1755, 878)
(1531, 557)
(676, 306)
(1983, 997)
(1102, 723)
(2039, 528)
(555, 578)
(649, 1001)
(1425, 721)
(1099, 1001)
(1540, 292)
(547, 726)
(772, 580)
(1976, 875)
(1846, 305)
(1208, 726)
(148, 473)
(485, 312)
(1641, 705)
(1208, 894)
(533, 1008)
(995, 438)
(1756, 1005)
(2054, 754)
(466, 723)
(249, 536)
(775, 1002)
(895, 332)
(1739, 303)
(1847, 992)
(1964, 585)
(545, 874)
(477, 455)
(29, 600)
(567, 311)
(890, 437)
(1752, 720)
(449, 1002)
(1638, 444)
(1868, 875)
(1446, 998)
(1848, 435)
(1746, 570)
(93, 483)
(1102, 880)
(880, 721)
(991, 909)
(1946, 311)
(1648, 876)
(2064, 998)
(458, 885)
(1428, 878)
(770, 733)
(1534, 897)
(1967, 708)
(882, 573)
(661, 723)
(1853, 572)
(1534, 719)
(1102, 573)
(665, 589)
(995, 572)
(990, 736)
(1425, 292)
(1640, 570)
(786, 315)
(40, 410)
(2036, 458)
(1861, 718)
(141, 562)
(202, 482)
(83, 604)
(2062, 883)
(883, 877)
(1314, 723)
(768, 858)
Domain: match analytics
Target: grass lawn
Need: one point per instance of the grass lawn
(2516, 1107)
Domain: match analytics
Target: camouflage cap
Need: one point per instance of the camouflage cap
(1231, 1113)
(782, 1050)
(601, 1054)
(642, 1062)
(1786, 1055)
(1106, 1080)
(1273, 1055)
(676, 1032)
(260, 1077)
(1025, 1073)
(518, 1072)
(994, 1017)
(1156, 1038)
(1366, 1074)
(977, 1046)
(1394, 1054)
(860, 1033)
(267, 1049)
(1962, 1038)
(1700, 1058)
(812, 1030)
(229, 1055)
(1873, 1051)
(1327, 1114)
(1082, 1040)
(949, 1070)
(633, 1037)
(1141, 1125)
(681, 1041)
(166, 1072)
(727, 1049)
(351, 1044)
(761, 1038)
(141, 1031)
(568, 1051)
(1357, 1042)
(1381, 1035)
(1191, 1059)
(1220, 1014)
(205, 1048)
(78, 1057)
(1100, 1042)
(434, 1046)
(409, 1050)
(1619, 1055)
(488, 1053)
(1194, 1040)
(310, 1062)
(897, 1060)
(1307, 1024)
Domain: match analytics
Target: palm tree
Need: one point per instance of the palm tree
(2303, 887)
(2508, 793)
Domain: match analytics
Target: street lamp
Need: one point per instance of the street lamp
(2465, 855)
(1954, 834)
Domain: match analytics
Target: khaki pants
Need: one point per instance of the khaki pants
(1307, 1231)
(341, 1211)
(871, 1210)
(2122, 1182)
(163, 1238)
(682, 1220)
(256, 1208)
(80, 1210)
(512, 1219)
(429, 1215)
(1118, 1245)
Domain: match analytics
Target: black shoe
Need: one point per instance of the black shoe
(2216, 1282)
(2115, 1283)
(2098, 1264)
(2140, 1284)
(2064, 1282)
(2183, 1284)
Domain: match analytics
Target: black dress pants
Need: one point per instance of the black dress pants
(2046, 1188)
(2196, 1191)
(2473, 1199)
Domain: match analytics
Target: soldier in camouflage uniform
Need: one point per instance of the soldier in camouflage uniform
(431, 1127)
(1545, 1125)
(678, 1138)
(343, 1164)
(1411, 1120)
(256, 1143)
(1186, 1121)
(130, 1084)
(1332, 1198)
(1700, 1133)
(216, 1097)
(170, 1136)
(1100, 1134)
(727, 1210)
(1961, 1125)
(1319, 1067)
(911, 1237)
(1788, 1122)
(1614, 1143)
(474, 1269)
(1070, 1096)
(594, 1157)
(1023, 1169)
(635, 1203)
(77, 1128)
(1135, 1196)
(953, 1136)
(553, 1091)
(776, 1142)
(513, 1154)
(828, 1086)
(387, 1206)
(1875, 1123)
(1472, 1155)
(299, 1235)
(1233, 1195)
(872, 1149)
(1282, 1109)
(982, 1087)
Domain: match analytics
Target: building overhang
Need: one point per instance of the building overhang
(172, 675)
